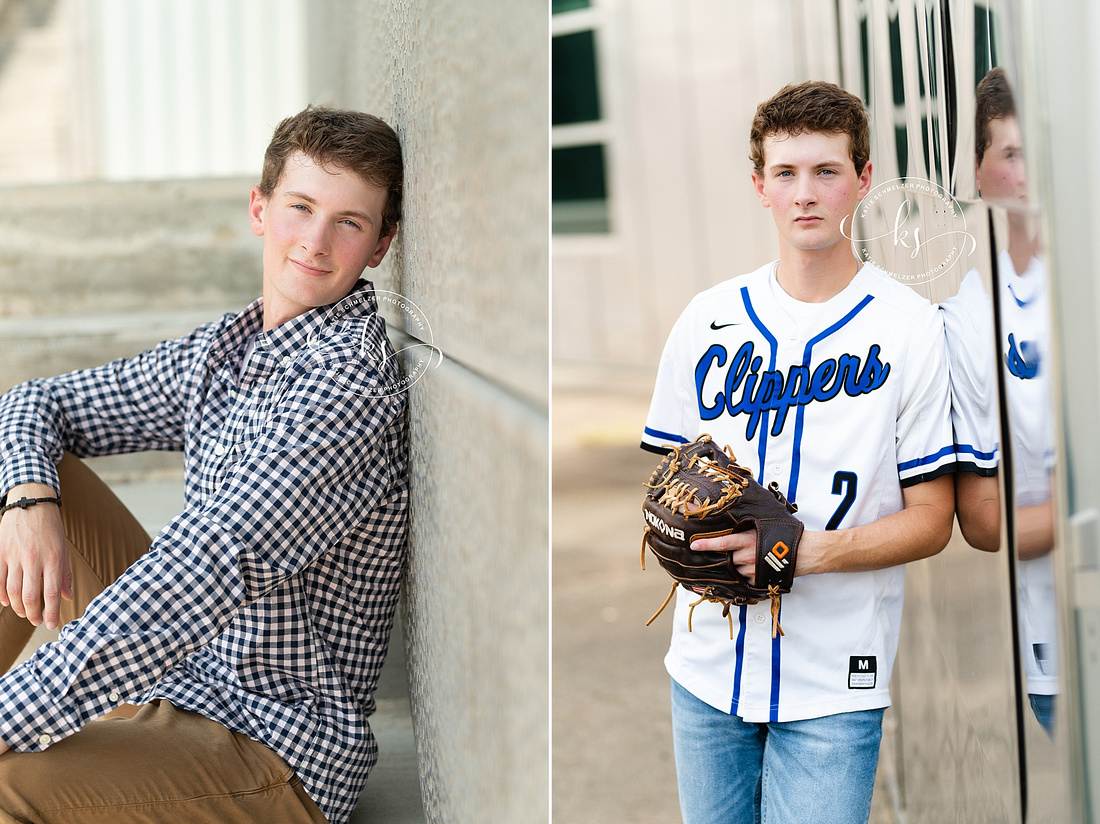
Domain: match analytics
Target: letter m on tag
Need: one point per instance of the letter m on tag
(862, 672)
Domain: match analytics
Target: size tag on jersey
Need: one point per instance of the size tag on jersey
(862, 672)
(1044, 660)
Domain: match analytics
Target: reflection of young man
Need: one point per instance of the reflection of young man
(1023, 306)
(254, 626)
(828, 378)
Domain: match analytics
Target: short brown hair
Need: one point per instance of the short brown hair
(361, 143)
(994, 101)
(813, 106)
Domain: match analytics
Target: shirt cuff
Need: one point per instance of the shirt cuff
(30, 718)
(26, 464)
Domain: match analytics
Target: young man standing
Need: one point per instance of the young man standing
(252, 629)
(829, 378)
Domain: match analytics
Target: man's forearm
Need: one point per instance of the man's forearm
(920, 530)
(31, 490)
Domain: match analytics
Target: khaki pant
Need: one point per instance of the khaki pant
(156, 763)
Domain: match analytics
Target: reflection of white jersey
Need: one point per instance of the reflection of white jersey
(843, 403)
(1023, 353)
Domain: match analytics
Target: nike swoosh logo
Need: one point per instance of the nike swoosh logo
(714, 325)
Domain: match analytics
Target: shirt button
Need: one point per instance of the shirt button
(219, 450)
(113, 697)
(44, 739)
(759, 618)
(286, 358)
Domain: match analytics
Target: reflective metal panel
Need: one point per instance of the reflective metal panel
(1008, 175)
(983, 735)
(1020, 288)
(977, 737)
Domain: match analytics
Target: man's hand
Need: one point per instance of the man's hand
(34, 558)
(919, 530)
(3, 747)
(743, 547)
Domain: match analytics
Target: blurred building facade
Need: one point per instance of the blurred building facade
(652, 199)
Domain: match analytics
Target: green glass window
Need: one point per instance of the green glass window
(575, 97)
(579, 190)
(558, 6)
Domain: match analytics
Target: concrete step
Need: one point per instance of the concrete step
(37, 347)
(116, 247)
(49, 345)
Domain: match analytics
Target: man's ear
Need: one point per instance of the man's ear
(865, 180)
(257, 208)
(382, 247)
(758, 185)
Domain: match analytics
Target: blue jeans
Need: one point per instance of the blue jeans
(818, 771)
(1043, 707)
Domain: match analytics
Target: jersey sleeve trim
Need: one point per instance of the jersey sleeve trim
(657, 441)
(971, 459)
(666, 436)
(656, 450)
(931, 466)
(935, 457)
(931, 475)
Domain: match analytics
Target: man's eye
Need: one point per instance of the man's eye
(350, 223)
(301, 207)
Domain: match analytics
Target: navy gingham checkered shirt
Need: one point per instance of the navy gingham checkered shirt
(266, 605)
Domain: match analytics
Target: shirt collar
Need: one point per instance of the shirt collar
(288, 337)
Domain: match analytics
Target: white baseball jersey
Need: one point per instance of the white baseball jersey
(843, 403)
(1023, 351)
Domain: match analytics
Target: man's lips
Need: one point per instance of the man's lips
(305, 268)
(808, 219)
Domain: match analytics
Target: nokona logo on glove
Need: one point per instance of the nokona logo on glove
(662, 527)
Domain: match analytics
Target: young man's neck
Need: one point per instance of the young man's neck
(816, 275)
(1023, 240)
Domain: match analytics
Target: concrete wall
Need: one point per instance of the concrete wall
(466, 89)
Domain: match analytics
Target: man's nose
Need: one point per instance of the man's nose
(805, 192)
(315, 238)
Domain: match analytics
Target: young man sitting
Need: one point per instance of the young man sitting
(252, 629)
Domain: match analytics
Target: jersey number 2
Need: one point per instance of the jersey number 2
(843, 483)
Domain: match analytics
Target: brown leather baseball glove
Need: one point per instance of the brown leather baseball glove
(700, 491)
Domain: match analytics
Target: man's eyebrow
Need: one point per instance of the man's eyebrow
(824, 164)
(313, 201)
